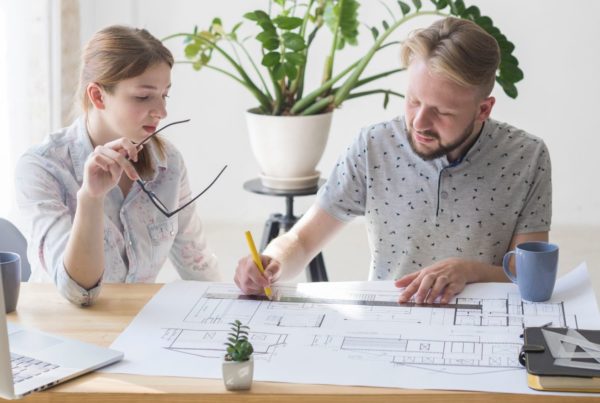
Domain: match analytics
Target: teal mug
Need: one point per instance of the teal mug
(536, 265)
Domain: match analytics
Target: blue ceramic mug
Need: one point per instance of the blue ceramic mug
(10, 265)
(536, 264)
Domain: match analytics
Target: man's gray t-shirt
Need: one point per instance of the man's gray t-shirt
(419, 212)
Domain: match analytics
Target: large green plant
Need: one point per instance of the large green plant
(287, 30)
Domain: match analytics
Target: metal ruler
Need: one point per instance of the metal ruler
(335, 301)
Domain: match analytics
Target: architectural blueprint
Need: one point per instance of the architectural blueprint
(352, 333)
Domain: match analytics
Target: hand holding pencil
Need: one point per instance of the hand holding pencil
(255, 273)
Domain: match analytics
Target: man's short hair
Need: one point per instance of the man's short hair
(457, 49)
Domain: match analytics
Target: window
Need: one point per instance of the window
(25, 79)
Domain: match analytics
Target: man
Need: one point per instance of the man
(446, 190)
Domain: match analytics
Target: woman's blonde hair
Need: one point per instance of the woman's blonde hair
(459, 50)
(117, 53)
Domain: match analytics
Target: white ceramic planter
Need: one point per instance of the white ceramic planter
(288, 148)
(238, 375)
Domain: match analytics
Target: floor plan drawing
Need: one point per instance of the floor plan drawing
(511, 311)
(211, 343)
(221, 305)
(352, 333)
(436, 354)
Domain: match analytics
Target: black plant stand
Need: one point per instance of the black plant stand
(278, 222)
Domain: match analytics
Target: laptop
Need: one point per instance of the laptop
(37, 360)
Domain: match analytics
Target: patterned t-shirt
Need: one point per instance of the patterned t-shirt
(419, 212)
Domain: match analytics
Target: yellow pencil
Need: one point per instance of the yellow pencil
(257, 262)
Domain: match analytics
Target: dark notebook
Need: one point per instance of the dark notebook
(543, 374)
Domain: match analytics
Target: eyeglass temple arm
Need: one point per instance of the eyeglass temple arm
(155, 200)
(159, 130)
(199, 194)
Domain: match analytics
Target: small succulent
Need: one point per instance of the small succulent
(238, 347)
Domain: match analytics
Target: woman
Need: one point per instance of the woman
(89, 221)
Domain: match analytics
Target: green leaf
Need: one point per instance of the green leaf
(298, 59)
(459, 7)
(269, 40)
(267, 26)
(344, 17)
(266, 35)
(484, 22)
(405, 8)
(441, 4)
(509, 59)
(385, 25)
(293, 41)
(510, 72)
(417, 4)
(271, 58)
(509, 88)
(506, 46)
(495, 32)
(191, 50)
(386, 100)
(251, 16)
(278, 71)
(261, 16)
(235, 27)
(471, 12)
(375, 32)
(287, 22)
(348, 15)
(291, 71)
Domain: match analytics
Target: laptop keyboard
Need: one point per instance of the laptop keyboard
(24, 367)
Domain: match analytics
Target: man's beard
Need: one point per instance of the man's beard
(442, 149)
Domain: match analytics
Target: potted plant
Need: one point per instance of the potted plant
(238, 364)
(287, 115)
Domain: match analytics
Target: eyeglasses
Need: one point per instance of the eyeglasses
(153, 198)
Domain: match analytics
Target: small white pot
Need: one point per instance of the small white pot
(238, 375)
(288, 147)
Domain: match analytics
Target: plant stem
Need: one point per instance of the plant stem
(297, 86)
(350, 83)
(308, 99)
(220, 70)
(275, 106)
(264, 101)
(373, 78)
(318, 106)
(371, 92)
(261, 78)
(328, 70)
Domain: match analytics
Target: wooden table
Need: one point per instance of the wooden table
(42, 307)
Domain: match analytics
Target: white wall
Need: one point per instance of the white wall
(555, 43)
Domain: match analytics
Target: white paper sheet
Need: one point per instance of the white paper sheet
(352, 333)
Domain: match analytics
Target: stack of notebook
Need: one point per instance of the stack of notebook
(562, 359)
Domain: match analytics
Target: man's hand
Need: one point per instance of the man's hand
(250, 280)
(445, 278)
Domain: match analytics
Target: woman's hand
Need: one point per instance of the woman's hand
(104, 167)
